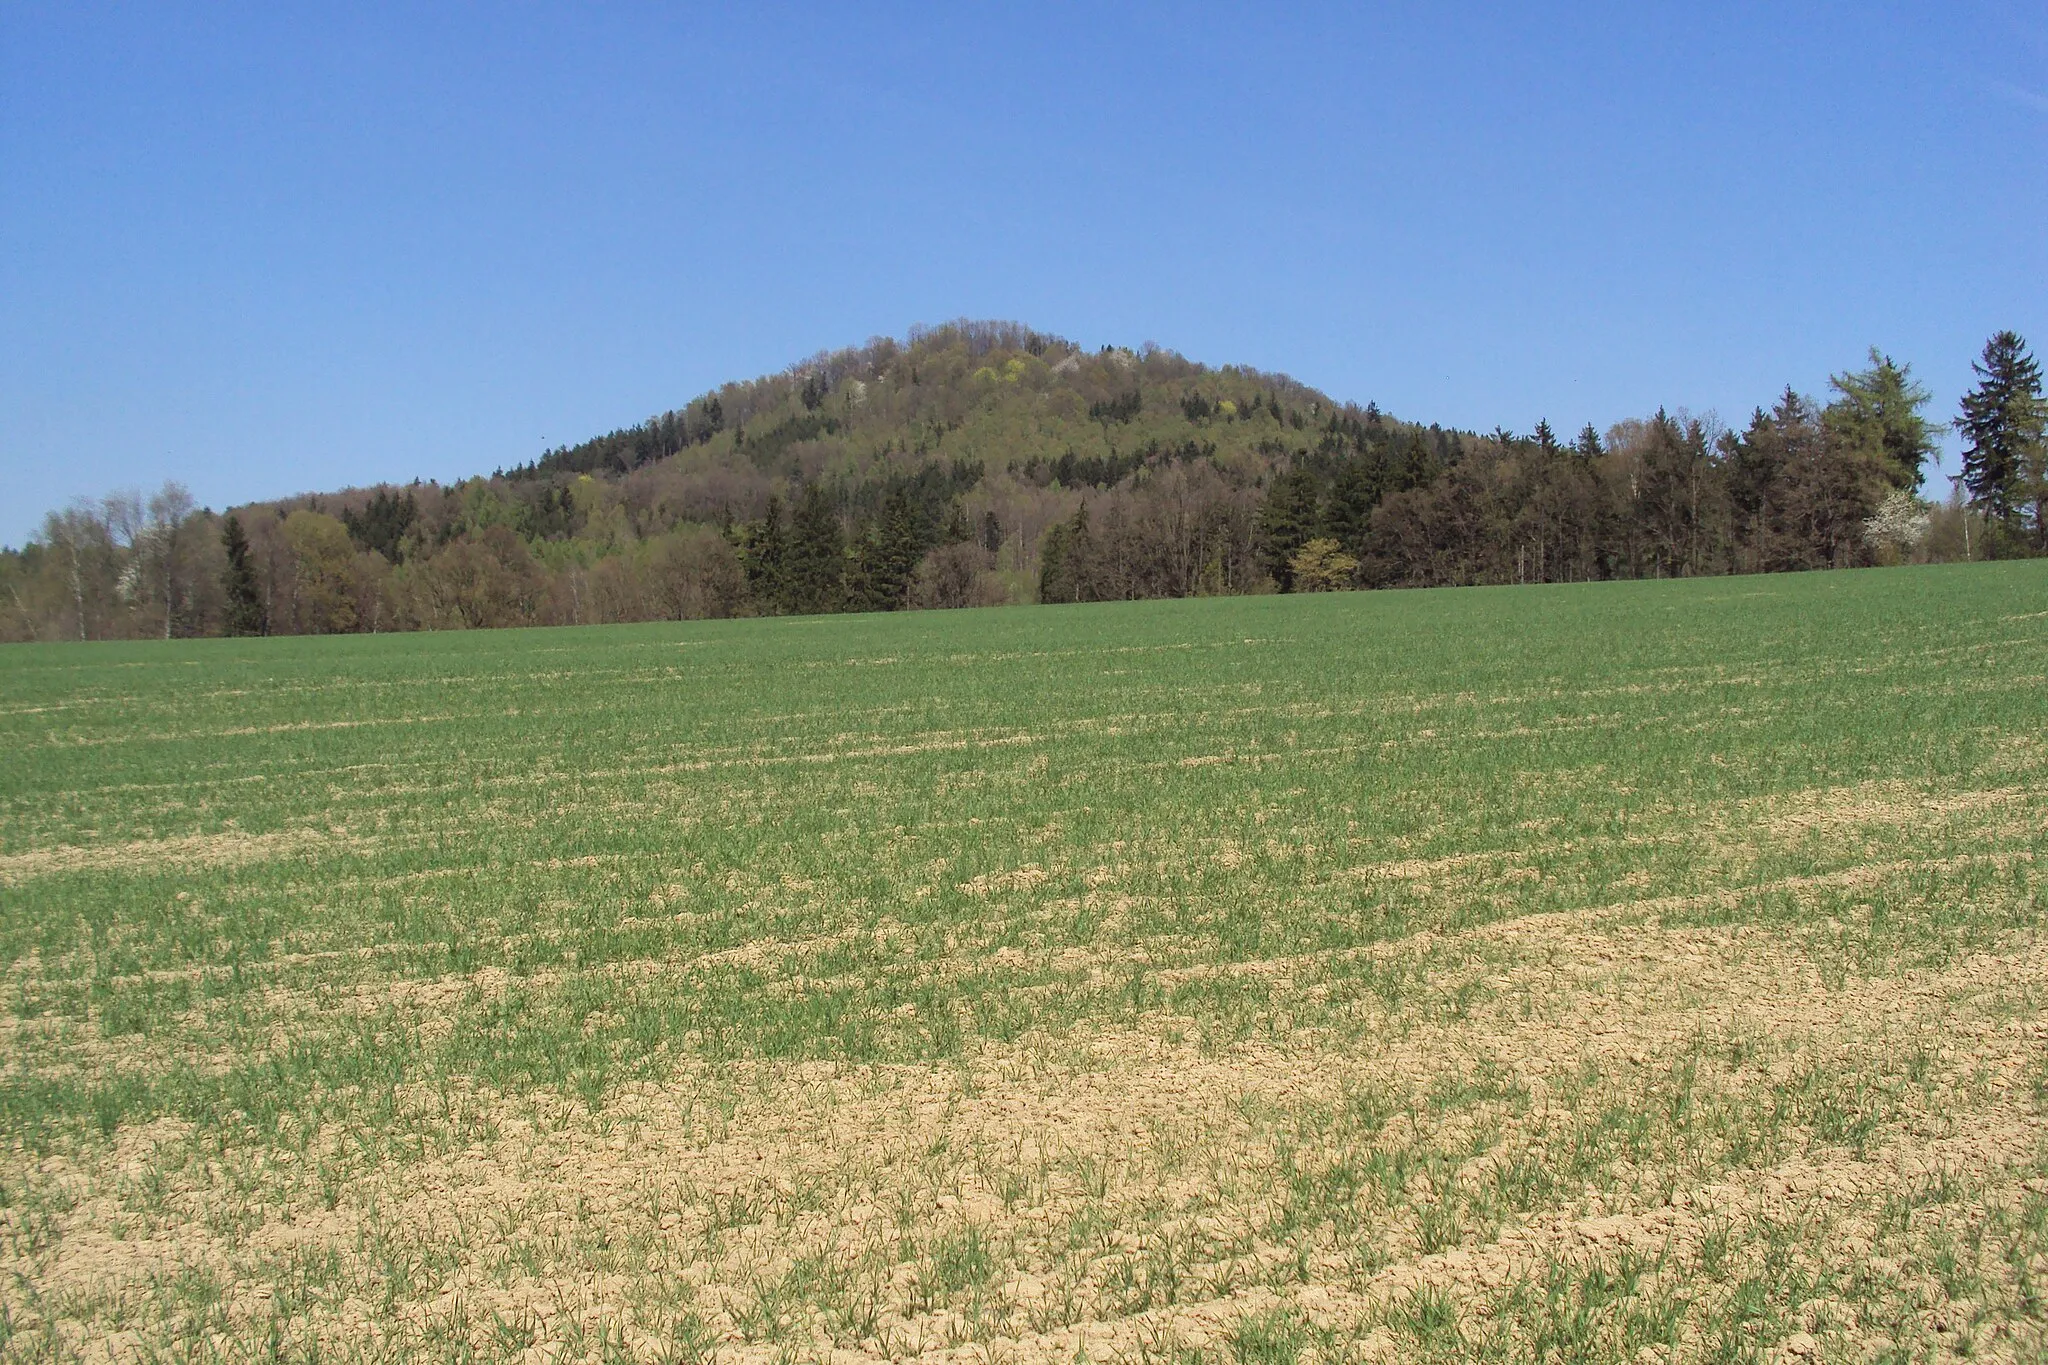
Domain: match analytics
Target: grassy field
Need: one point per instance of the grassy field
(1619, 972)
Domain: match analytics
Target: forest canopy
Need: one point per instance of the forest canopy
(980, 463)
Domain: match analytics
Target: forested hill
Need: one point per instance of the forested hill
(980, 463)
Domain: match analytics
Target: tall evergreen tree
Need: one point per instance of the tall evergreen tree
(381, 526)
(763, 551)
(1877, 419)
(885, 557)
(1823, 493)
(1347, 515)
(1675, 497)
(1066, 561)
(1286, 522)
(243, 612)
(1414, 465)
(2002, 426)
(1755, 467)
(814, 578)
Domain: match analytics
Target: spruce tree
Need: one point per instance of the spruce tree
(243, 614)
(2002, 427)
(1414, 465)
(1067, 567)
(1754, 464)
(815, 562)
(764, 554)
(1286, 521)
(885, 557)
(1348, 514)
(1826, 489)
(866, 585)
(1055, 580)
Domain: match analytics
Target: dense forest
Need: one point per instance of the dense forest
(980, 463)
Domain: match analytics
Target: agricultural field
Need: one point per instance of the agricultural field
(1618, 972)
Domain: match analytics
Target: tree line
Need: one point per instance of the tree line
(986, 463)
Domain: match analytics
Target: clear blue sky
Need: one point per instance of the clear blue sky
(262, 250)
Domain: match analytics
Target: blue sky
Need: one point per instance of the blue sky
(263, 250)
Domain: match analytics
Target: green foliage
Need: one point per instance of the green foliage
(1287, 521)
(837, 480)
(243, 613)
(322, 602)
(381, 524)
(1321, 566)
(1878, 419)
(2005, 439)
(814, 560)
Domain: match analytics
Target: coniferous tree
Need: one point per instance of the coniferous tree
(867, 586)
(381, 526)
(242, 596)
(1755, 467)
(2002, 427)
(1877, 419)
(1675, 498)
(1800, 488)
(763, 553)
(1067, 568)
(814, 577)
(1829, 491)
(957, 529)
(1347, 516)
(1286, 522)
(1415, 465)
(885, 557)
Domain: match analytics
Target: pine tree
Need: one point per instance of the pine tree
(2002, 427)
(243, 614)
